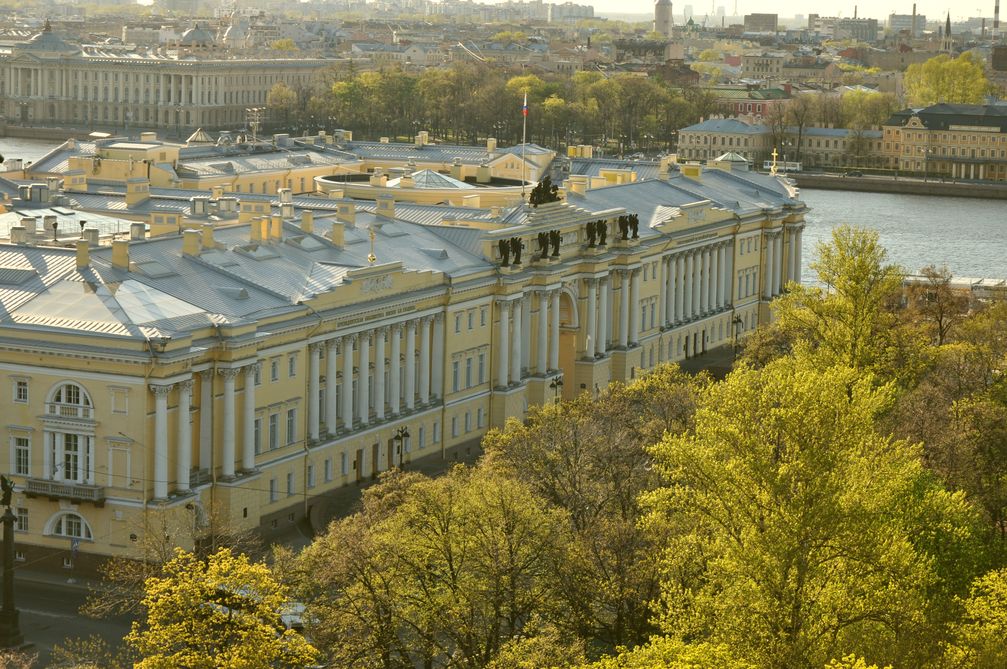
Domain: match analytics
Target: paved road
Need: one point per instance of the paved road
(49, 615)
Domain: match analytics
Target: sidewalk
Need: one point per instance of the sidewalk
(63, 579)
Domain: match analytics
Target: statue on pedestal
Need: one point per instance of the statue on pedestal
(602, 228)
(504, 246)
(10, 630)
(543, 244)
(515, 249)
(555, 238)
(590, 234)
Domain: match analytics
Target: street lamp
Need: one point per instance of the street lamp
(737, 323)
(400, 438)
(786, 145)
(178, 121)
(556, 385)
(927, 152)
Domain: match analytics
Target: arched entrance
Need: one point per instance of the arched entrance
(569, 323)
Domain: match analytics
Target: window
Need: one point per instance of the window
(21, 519)
(70, 525)
(328, 469)
(468, 372)
(70, 401)
(272, 490)
(343, 464)
(454, 426)
(482, 316)
(290, 483)
(291, 425)
(468, 422)
(437, 432)
(258, 435)
(21, 391)
(479, 417)
(422, 438)
(258, 375)
(292, 365)
(311, 476)
(22, 456)
(274, 430)
(454, 376)
(274, 370)
(472, 318)
(458, 322)
(482, 367)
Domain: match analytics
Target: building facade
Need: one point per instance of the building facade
(243, 372)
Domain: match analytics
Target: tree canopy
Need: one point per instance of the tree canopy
(960, 80)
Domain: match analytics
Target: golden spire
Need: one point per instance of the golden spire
(371, 258)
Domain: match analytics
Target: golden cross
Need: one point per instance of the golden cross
(772, 170)
(371, 258)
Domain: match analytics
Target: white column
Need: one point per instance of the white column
(437, 373)
(697, 283)
(590, 344)
(331, 386)
(554, 334)
(205, 419)
(543, 332)
(526, 332)
(722, 277)
(687, 280)
(716, 289)
(602, 346)
(364, 379)
(348, 381)
(183, 462)
(704, 282)
(395, 371)
(767, 268)
(517, 311)
(778, 258)
(379, 373)
(669, 295)
(227, 442)
(729, 273)
(624, 300)
(680, 262)
(503, 347)
(424, 361)
(797, 254)
(662, 291)
(248, 443)
(410, 389)
(314, 371)
(160, 440)
(792, 256)
(634, 308)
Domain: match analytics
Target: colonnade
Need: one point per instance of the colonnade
(514, 335)
(696, 283)
(385, 386)
(778, 274)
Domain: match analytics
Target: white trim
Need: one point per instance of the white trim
(91, 376)
(54, 518)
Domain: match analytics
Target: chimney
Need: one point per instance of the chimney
(137, 231)
(483, 174)
(120, 254)
(491, 145)
(83, 254)
(47, 224)
(255, 230)
(53, 183)
(456, 169)
(287, 210)
(216, 192)
(347, 213)
(91, 235)
(28, 222)
(276, 229)
(148, 136)
(337, 235)
(208, 240)
(18, 235)
(197, 206)
(307, 221)
(386, 206)
(190, 243)
(913, 33)
(286, 195)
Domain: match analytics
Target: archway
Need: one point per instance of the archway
(569, 324)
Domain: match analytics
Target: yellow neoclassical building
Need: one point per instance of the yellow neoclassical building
(246, 370)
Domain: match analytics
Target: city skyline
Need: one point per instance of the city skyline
(788, 8)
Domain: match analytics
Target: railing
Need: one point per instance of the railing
(64, 490)
(69, 410)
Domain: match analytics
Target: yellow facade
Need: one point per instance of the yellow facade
(247, 374)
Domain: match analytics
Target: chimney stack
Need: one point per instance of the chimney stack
(137, 231)
(276, 229)
(208, 241)
(120, 254)
(83, 254)
(190, 243)
(307, 221)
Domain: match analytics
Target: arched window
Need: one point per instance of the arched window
(68, 524)
(69, 400)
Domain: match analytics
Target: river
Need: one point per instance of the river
(966, 234)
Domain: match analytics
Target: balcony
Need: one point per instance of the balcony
(55, 490)
(59, 410)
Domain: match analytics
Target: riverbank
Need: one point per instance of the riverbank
(904, 186)
(55, 135)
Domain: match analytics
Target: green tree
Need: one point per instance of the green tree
(453, 567)
(223, 612)
(282, 101)
(668, 653)
(798, 532)
(285, 44)
(960, 80)
(978, 641)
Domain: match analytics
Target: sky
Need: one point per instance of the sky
(875, 10)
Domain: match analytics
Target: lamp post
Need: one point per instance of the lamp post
(927, 152)
(10, 629)
(400, 439)
(737, 323)
(556, 385)
(178, 121)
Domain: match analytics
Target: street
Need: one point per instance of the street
(49, 615)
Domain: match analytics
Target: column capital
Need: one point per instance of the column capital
(185, 385)
(350, 338)
(381, 331)
(426, 320)
(591, 281)
(161, 390)
(395, 328)
(332, 344)
(317, 346)
(504, 304)
(251, 369)
(438, 317)
(229, 373)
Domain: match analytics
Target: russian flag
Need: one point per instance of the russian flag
(524, 107)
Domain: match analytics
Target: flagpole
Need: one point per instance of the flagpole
(524, 140)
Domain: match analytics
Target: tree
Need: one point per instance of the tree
(282, 101)
(285, 44)
(800, 113)
(960, 80)
(453, 567)
(935, 305)
(798, 532)
(849, 319)
(978, 641)
(91, 652)
(668, 653)
(224, 612)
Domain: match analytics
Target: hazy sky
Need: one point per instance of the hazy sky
(877, 10)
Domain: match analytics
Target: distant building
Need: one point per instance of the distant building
(863, 30)
(761, 23)
(663, 20)
(914, 24)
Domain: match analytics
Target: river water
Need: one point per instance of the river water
(968, 235)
